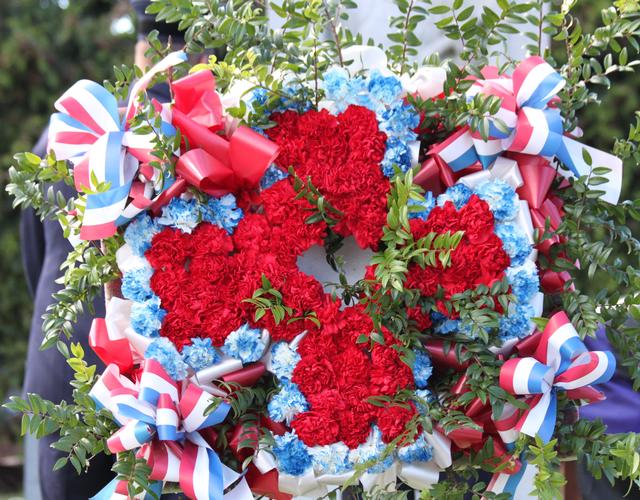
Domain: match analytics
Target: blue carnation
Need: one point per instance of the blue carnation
(140, 232)
(358, 93)
(372, 449)
(423, 395)
(336, 84)
(259, 95)
(222, 212)
(330, 459)
(514, 242)
(458, 194)
(384, 90)
(291, 453)
(287, 403)
(181, 214)
(399, 121)
(245, 344)
(271, 176)
(422, 368)
(135, 284)
(423, 207)
(447, 326)
(524, 281)
(397, 154)
(516, 324)
(283, 360)
(501, 197)
(146, 317)
(418, 451)
(200, 354)
(165, 353)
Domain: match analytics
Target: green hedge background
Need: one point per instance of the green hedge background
(46, 45)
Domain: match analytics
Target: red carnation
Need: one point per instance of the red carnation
(315, 428)
(169, 248)
(393, 421)
(313, 375)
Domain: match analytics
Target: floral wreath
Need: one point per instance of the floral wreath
(224, 355)
(181, 270)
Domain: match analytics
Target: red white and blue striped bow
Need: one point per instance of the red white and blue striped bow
(526, 123)
(167, 424)
(559, 360)
(89, 133)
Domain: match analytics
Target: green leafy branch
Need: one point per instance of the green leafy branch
(83, 430)
(268, 299)
(323, 209)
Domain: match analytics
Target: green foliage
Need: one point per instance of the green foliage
(43, 50)
(322, 209)
(83, 429)
(595, 240)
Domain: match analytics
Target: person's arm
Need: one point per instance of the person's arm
(32, 233)
(32, 243)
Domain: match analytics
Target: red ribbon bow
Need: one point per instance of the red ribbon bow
(215, 164)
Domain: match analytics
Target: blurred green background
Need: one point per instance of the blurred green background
(46, 45)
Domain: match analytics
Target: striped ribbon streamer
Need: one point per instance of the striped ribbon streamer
(103, 149)
(560, 361)
(165, 423)
(526, 123)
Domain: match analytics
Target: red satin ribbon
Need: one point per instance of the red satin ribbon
(214, 164)
(436, 176)
(110, 351)
(468, 438)
(442, 360)
(246, 376)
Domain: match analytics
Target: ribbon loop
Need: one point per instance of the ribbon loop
(168, 427)
(215, 164)
(560, 361)
(104, 150)
(528, 123)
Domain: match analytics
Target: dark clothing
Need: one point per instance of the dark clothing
(620, 408)
(44, 249)
(619, 412)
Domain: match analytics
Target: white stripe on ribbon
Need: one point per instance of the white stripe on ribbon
(532, 81)
(535, 417)
(192, 421)
(499, 484)
(92, 106)
(539, 132)
(103, 215)
(200, 473)
(590, 377)
(510, 118)
(167, 416)
(488, 148)
(521, 375)
(457, 148)
(525, 486)
(158, 384)
(556, 341)
(127, 436)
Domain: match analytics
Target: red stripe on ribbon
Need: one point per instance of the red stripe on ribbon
(77, 111)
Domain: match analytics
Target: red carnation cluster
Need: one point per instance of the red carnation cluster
(342, 155)
(338, 376)
(479, 258)
(202, 278)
